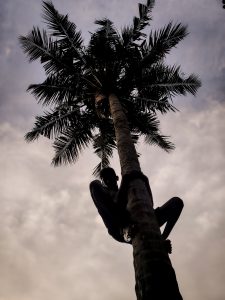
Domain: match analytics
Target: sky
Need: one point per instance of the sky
(53, 244)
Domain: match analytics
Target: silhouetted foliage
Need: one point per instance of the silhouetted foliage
(80, 77)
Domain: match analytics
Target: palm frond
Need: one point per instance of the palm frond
(103, 144)
(135, 32)
(103, 41)
(161, 42)
(140, 23)
(149, 105)
(106, 28)
(38, 45)
(168, 81)
(159, 140)
(70, 144)
(186, 85)
(103, 60)
(127, 35)
(62, 28)
(143, 122)
(98, 168)
(55, 89)
(52, 123)
(147, 125)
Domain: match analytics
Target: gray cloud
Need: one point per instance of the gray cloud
(53, 242)
(56, 245)
(201, 51)
(195, 172)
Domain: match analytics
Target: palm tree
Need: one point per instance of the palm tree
(223, 1)
(108, 93)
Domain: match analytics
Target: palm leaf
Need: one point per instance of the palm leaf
(143, 122)
(70, 144)
(55, 89)
(159, 140)
(135, 32)
(167, 81)
(103, 42)
(149, 105)
(161, 42)
(38, 45)
(106, 29)
(51, 124)
(104, 143)
(61, 27)
(147, 125)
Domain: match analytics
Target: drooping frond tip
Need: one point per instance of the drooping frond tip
(69, 145)
(161, 141)
(106, 30)
(134, 33)
(37, 44)
(103, 22)
(139, 23)
(103, 144)
(61, 27)
(161, 42)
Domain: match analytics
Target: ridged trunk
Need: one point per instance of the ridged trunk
(154, 274)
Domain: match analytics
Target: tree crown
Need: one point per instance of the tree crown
(80, 78)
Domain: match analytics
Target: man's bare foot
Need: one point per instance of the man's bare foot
(168, 246)
(128, 233)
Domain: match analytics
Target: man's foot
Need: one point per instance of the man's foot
(168, 246)
(128, 233)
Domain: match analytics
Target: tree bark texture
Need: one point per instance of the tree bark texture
(154, 274)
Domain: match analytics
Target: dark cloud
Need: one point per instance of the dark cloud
(15, 105)
(201, 51)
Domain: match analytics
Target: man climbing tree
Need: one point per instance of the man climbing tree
(109, 92)
(111, 203)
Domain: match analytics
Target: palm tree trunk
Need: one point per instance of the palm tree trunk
(154, 274)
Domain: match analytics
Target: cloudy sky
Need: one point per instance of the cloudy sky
(53, 244)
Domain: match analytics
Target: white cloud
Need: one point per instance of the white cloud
(195, 172)
(55, 244)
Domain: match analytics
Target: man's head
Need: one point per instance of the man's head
(109, 177)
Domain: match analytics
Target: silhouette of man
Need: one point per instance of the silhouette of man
(111, 203)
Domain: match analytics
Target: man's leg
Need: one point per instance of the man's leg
(106, 209)
(169, 214)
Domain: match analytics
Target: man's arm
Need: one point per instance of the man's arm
(121, 196)
(107, 210)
